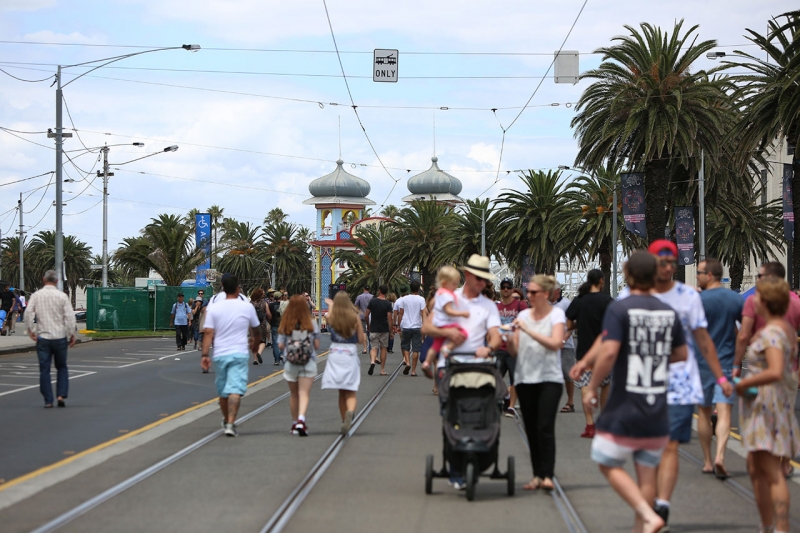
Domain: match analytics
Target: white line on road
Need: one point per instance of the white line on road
(132, 364)
(175, 354)
(53, 381)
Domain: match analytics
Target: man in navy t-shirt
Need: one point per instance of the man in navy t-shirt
(641, 336)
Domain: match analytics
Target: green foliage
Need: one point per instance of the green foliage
(368, 264)
(41, 255)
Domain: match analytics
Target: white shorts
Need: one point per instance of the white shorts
(613, 451)
(292, 371)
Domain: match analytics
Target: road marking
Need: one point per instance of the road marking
(122, 358)
(53, 381)
(133, 364)
(173, 355)
(104, 445)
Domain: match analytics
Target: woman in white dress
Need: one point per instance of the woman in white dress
(343, 370)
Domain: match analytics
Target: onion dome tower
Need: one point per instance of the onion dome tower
(434, 185)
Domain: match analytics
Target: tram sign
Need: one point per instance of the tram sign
(384, 65)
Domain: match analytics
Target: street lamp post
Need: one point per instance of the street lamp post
(59, 136)
(21, 247)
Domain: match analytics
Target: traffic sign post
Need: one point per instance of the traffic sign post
(384, 65)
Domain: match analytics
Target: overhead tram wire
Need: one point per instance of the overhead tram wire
(26, 179)
(75, 129)
(27, 81)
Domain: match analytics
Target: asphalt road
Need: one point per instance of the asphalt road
(116, 386)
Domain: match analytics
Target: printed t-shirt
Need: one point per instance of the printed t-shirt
(181, 312)
(563, 304)
(412, 306)
(535, 363)
(379, 310)
(723, 309)
(587, 311)
(230, 320)
(647, 330)
(508, 313)
(792, 315)
(685, 387)
(483, 316)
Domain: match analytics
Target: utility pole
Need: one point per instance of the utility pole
(702, 193)
(483, 232)
(105, 175)
(21, 248)
(59, 136)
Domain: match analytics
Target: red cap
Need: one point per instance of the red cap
(663, 247)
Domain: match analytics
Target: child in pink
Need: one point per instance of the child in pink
(445, 315)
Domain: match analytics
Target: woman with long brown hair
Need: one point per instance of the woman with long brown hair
(263, 315)
(299, 333)
(343, 371)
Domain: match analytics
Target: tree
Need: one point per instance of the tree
(245, 257)
(275, 216)
(531, 221)
(216, 217)
(770, 97)
(368, 265)
(289, 256)
(390, 211)
(77, 260)
(467, 228)
(9, 259)
(191, 218)
(423, 238)
(649, 111)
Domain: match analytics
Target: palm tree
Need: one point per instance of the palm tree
(216, 217)
(289, 255)
(531, 221)
(77, 259)
(649, 111)
(275, 216)
(770, 97)
(9, 259)
(368, 265)
(423, 238)
(132, 258)
(469, 219)
(245, 257)
(191, 218)
(390, 211)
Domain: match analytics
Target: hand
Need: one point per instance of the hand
(72, 341)
(483, 352)
(727, 389)
(457, 337)
(33, 336)
(577, 370)
(589, 399)
(205, 362)
(737, 372)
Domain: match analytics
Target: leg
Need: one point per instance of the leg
(276, 352)
(570, 386)
(233, 407)
(587, 414)
(350, 400)
(223, 406)
(45, 359)
(668, 471)
(304, 391)
(342, 402)
(546, 429)
(605, 390)
(704, 435)
(512, 396)
(62, 373)
(761, 490)
(383, 359)
(178, 336)
(769, 469)
(391, 341)
(294, 398)
(646, 519)
(723, 432)
(373, 355)
(528, 403)
(414, 361)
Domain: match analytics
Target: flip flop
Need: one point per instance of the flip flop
(413, 374)
(720, 472)
(534, 484)
(406, 370)
(384, 374)
(371, 368)
(568, 408)
(789, 473)
(708, 471)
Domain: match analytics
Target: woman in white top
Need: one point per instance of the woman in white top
(540, 333)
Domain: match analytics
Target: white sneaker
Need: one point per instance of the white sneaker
(230, 430)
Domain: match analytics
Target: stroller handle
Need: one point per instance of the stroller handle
(470, 358)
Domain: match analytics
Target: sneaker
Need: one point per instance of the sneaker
(301, 429)
(230, 430)
(506, 403)
(511, 412)
(348, 421)
(293, 431)
(588, 432)
(457, 483)
(662, 511)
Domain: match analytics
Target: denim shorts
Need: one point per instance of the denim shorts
(614, 452)
(680, 422)
(292, 371)
(712, 392)
(231, 371)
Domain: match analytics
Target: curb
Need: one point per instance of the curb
(32, 348)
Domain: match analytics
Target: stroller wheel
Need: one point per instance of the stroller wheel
(510, 475)
(471, 480)
(428, 474)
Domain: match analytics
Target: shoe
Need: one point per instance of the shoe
(588, 432)
(61, 403)
(255, 363)
(457, 483)
(195, 346)
(293, 431)
(510, 412)
(230, 430)
(276, 363)
(282, 360)
(301, 429)
(662, 511)
(269, 344)
(406, 370)
(389, 351)
(371, 368)
(506, 403)
(205, 371)
(348, 422)
(223, 423)
(260, 360)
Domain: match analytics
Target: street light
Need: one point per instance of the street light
(59, 136)
(715, 55)
(105, 175)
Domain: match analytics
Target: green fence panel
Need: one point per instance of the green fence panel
(118, 309)
(166, 296)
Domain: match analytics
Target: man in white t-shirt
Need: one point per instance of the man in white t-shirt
(685, 389)
(410, 319)
(226, 325)
(567, 350)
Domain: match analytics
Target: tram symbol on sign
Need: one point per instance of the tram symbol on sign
(389, 60)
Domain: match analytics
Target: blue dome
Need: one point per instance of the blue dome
(434, 181)
(339, 183)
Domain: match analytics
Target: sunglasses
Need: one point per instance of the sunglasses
(506, 288)
(667, 262)
(200, 293)
(536, 292)
(702, 272)
(759, 276)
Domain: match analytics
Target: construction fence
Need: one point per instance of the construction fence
(134, 308)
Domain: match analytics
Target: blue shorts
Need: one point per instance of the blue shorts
(712, 392)
(680, 423)
(231, 373)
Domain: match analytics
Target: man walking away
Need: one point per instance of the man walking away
(567, 351)
(378, 316)
(410, 320)
(723, 309)
(508, 307)
(51, 324)
(641, 335)
(226, 325)
(275, 321)
(181, 317)
(362, 302)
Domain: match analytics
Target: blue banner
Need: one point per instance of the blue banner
(202, 236)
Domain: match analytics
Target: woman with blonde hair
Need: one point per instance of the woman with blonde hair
(538, 379)
(343, 371)
(766, 404)
(300, 334)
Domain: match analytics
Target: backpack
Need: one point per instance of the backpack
(261, 312)
(298, 347)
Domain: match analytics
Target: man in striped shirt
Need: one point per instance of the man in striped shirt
(51, 324)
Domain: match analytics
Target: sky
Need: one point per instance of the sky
(262, 109)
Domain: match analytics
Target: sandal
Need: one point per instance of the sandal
(720, 472)
(547, 486)
(568, 408)
(534, 484)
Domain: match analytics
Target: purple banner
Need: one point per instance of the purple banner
(788, 206)
(684, 234)
(633, 203)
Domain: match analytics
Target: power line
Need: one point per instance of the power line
(26, 179)
(85, 210)
(208, 181)
(26, 140)
(22, 79)
(41, 219)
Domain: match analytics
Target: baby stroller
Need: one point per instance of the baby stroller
(471, 394)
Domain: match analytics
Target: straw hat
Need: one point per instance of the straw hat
(479, 266)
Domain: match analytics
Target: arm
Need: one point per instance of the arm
(399, 319)
(709, 351)
(493, 340)
(742, 340)
(451, 333)
(366, 318)
(208, 338)
(679, 353)
(362, 337)
(588, 359)
(30, 316)
(172, 316)
(605, 361)
(771, 374)
(554, 342)
(69, 316)
(452, 311)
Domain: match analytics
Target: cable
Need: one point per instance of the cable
(31, 228)
(46, 188)
(26, 140)
(207, 181)
(12, 221)
(24, 132)
(26, 179)
(22, 79)
(74, 128)
(82, 212)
